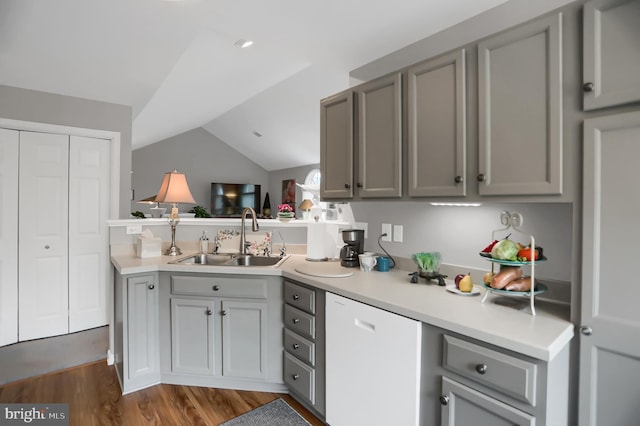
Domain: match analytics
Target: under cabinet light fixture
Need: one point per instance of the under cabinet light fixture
(457, 204)
(242, 43)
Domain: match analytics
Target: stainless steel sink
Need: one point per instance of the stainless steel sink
(228, 260)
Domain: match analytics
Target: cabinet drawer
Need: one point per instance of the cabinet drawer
(219, 286)
(300, 377)
(300, 297)
(299, 347)
(301, 322)
(512, 376)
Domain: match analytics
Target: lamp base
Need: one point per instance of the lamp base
(173, 251)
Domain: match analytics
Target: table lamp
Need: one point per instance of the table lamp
(156, 210)
(174, 190)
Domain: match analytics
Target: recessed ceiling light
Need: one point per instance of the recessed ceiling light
(242, 43)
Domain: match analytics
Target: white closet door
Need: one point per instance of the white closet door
(8, 236)
(89, 196)
(43, 228)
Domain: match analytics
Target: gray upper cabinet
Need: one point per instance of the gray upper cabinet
(610, 330)
(437, 127)
(611, 38)
(336, 146)
(380, 137)
(520, 110)
(373, 168)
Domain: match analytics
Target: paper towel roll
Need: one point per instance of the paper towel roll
(317, 241)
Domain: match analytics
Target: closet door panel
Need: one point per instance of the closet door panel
(8, 236)
(89, 192)
(43, 229)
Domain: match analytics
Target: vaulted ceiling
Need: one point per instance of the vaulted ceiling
(176, 63)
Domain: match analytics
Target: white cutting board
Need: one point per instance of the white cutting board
(324, 269)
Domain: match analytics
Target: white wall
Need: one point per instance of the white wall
(459, 233)
(202, 157)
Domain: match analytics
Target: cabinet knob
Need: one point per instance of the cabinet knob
(459, 179)
(296, 296)
(215, 288)
(296, 346)
(588, 87)
(347, 186)
(296, 320)
(151, 286)
(47, 247)
(481, 177)
(209, 312)
(359, 185)
(444, 399)
(587, 331)
(481, 368)
(295, 376)
(223, 312)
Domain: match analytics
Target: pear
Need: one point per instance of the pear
(466, 284)
(488, 278)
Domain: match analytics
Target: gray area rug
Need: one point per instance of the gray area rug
(275, 413)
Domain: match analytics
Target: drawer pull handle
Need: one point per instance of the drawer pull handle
(151, 286)
(296, 320)
(209, 312)
(295, 376)
(444, 399)
(296, 297)
(296, 346)
(215, 288)
(481, 368)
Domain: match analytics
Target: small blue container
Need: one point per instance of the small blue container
(383, 264)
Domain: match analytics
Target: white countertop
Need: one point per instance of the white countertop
(542, 336)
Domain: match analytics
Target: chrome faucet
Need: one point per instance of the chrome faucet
(254, 227)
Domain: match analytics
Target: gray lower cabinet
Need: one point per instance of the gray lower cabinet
(304, 345)
(462, 405)
(136, 331)
(223, 326)
(520, 110)
(437, 127)
(611, 56)
(610, 332)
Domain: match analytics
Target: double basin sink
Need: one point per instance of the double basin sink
(228, 260)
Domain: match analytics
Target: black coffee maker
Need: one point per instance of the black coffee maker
(354, 245)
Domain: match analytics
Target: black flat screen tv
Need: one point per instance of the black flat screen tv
(229, 199)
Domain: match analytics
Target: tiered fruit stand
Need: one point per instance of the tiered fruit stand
(513, 221)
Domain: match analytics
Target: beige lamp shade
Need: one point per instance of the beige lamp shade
(148, 200)
(174, 189)
(306, 205)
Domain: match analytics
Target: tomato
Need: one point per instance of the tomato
(525, 254)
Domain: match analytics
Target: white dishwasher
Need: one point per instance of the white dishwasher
(372, 365)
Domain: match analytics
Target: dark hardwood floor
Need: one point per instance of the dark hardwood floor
(93, 394)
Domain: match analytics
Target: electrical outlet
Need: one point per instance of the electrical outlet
(134, 229)
(386, 229)
(397, 233)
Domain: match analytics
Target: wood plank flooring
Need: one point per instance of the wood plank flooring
(93, 394)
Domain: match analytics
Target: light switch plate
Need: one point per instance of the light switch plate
(134, 229)
(397, 233)
(386, 229)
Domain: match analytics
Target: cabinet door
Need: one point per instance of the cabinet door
(143, 355)
(336, 146)
(89, 195)
(462, 405)
(520, 110)
(380, 137)
(610, 340)
(43, 232)
(8, 236)
(611, 53)
(244, 334)
(437, 131)
(192, 336)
